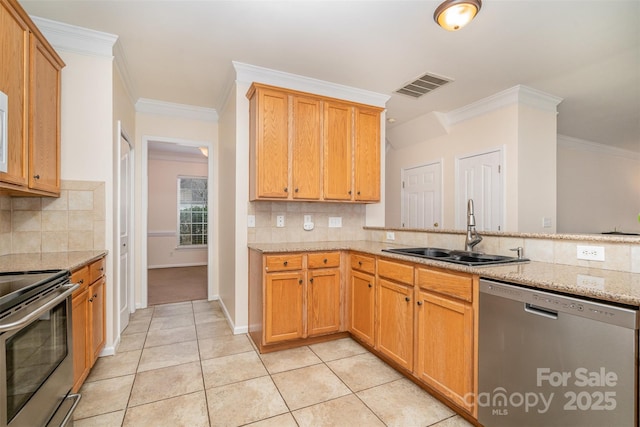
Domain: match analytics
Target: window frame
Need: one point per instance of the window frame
(179, 203)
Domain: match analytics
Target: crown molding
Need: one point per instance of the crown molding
(593, 147)
(120, 60)
(520, 94)
(75, 39)
(247, 74)
(162, 108)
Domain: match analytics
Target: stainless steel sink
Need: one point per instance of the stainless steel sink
(456, 257)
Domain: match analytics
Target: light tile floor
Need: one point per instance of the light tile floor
(180, 365)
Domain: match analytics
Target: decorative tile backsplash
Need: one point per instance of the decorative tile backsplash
(266, 213)
(73, 222)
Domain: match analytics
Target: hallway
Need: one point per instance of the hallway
(180, 365)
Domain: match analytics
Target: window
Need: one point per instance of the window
(192, 211)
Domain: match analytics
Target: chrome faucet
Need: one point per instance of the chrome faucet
(473, 238)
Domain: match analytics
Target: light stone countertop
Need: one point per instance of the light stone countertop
(606, 285)
(48, 261)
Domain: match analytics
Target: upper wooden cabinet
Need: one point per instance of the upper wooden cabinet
(30, 76)
(312, 148)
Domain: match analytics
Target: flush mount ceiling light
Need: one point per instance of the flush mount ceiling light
(455, 14)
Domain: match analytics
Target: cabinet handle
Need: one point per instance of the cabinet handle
(296, 190)
(36, 176)
(81, 281)
(349, 192)
(358, 193)
(407, 299)
(300, 282)
(95, 295)
(370, 285)
(311, 280)
(325, 260)
(285, 263)
(360, 263)
(286, 189)
(419, 302)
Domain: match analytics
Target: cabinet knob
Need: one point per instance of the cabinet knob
(81, 281)
(370, 285)
(311, 280)
(325, 260)
(286, 189)
(358, 193)
(349, 192)
(360, 263)
(435, 225)
(407, 299)
(36, 176)
(285, 263)
(300, 282)
(419, 302)
(296, 190)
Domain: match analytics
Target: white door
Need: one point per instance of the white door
(480, 179)
(125, 203)
(421, 196)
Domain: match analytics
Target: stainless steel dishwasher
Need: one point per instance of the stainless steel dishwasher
(551, 360)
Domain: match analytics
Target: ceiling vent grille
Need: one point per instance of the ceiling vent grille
(423, 85)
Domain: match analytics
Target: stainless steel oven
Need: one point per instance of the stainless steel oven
(36, 360)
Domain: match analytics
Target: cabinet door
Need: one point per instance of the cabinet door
(306, 148)
(80, 316)
(394, 336)
(272, 144)
(97, 318)
(283, 299)
(337, 151)
(14, 56)
(445, 346)
(367, 155)
(362, 303)
(44, 125)
(323, 302)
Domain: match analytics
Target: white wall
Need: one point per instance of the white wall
(598, 188)
(226, 220)
(162, 232)
(520, 121)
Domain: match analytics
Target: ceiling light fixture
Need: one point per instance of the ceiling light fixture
(455, 14)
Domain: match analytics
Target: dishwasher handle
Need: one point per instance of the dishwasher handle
(539, 311)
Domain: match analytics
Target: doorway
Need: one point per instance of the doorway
(176, 198)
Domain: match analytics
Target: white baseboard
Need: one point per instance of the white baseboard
(236, 329)
(194, 264)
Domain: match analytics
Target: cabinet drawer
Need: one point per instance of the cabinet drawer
(323, 259)
(80, 276)
(284, 262)
(363, 263)
(395, 271)
(96, 269)
(455, 285)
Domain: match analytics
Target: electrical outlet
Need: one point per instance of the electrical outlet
(307, 218)
(546, 222)
(391, 235)
(251, 221)
(280, 221)
(591, 253)
(335, 221)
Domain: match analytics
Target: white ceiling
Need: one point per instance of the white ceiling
(586, 52)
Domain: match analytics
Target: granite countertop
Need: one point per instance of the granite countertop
(606, 285)
(48, 261)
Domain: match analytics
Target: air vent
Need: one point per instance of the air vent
(423, 85)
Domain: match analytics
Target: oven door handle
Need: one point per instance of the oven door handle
(40, 307)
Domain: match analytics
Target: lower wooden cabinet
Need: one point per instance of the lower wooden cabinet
(445, 336)
(394, 334)
(445, 346)
(88, 319)
(294, 296)
(362, 298)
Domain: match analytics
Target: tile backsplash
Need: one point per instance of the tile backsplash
(73, 222)
(266, 213)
